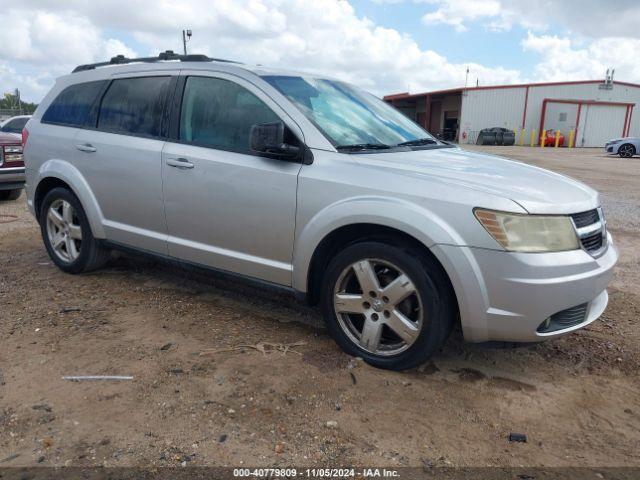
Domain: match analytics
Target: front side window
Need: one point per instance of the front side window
(134, 106)
(74, 106)
(219, 113)
(346, 115)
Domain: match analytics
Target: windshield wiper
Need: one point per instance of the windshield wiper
(363, 146)
(419, 141)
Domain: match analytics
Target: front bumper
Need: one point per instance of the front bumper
(506, 296)
(11, 178)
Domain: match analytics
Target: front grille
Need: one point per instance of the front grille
(591, 229)
(585, 218)
(564, 319)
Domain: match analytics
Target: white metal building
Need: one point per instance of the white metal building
(598, 111)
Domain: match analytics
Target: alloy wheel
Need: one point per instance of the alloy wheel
(626, 151)
(64, 231)
(378, 307)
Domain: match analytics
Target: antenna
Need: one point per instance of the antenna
(608, 80)
(186, 36)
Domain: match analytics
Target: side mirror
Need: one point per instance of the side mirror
(268, 138)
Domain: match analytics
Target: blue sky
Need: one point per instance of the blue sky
(384, 46)
(477, 43)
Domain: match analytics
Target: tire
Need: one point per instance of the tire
(10, 194)
(626, 150)
(425, 317)
(77, 250)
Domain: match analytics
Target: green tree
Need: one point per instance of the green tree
(10, 102)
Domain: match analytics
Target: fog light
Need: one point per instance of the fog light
(545, 325)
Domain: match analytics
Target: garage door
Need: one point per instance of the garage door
(600, 123)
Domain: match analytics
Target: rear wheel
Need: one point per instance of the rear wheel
(67, 234)
(627, 150)
(10, 194)
(391, 306)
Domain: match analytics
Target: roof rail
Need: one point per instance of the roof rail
(168, 55)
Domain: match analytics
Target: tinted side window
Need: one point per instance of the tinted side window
(134, 106)
(73, 106)
(219, 113)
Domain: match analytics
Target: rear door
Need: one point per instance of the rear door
(226, 206)
(121, 158)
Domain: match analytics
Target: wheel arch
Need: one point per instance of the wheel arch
(58, 173)
(346, 235)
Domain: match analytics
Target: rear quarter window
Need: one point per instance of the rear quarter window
(75, 105)
(134, 106)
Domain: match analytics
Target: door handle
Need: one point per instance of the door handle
(181, 163)
(86, 147)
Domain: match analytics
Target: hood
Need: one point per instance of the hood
(537, 190)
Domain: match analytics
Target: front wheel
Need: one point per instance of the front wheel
(390, 305)
(67, 235)
(627, 150)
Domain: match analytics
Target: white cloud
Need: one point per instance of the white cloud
(42, 39)
(563, 59)
(591, 18)
(49, 38)
(457, 12)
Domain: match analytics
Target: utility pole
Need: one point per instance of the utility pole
(466, 78)
(186, 36)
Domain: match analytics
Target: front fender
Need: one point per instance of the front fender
(63, 170)
(415, 220)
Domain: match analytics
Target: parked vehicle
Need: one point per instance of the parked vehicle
(496, 136)
(322, 189)
(11, 167)
(550, 139)
(14, 124)
(624, 147)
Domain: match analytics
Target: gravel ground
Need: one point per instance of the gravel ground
(228, 375)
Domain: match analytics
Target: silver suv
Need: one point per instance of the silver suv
(318, 187)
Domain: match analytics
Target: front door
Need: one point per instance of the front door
(225, 206)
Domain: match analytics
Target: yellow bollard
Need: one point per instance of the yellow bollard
(557, 139)
(543, 134)
(572, 138)
(522, 135)
(533, 138)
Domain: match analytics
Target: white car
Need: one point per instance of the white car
(625, 147)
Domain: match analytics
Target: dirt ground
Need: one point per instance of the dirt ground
(204, 393)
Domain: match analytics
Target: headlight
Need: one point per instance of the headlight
(529, 233)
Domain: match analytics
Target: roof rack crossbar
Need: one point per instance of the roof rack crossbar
(168, 55)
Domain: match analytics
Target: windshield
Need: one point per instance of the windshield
(347, 116)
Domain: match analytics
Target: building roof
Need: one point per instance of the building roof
(407, 95)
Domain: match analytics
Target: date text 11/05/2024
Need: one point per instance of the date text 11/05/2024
(316, 473)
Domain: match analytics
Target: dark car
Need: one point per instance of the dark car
(11, 167)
